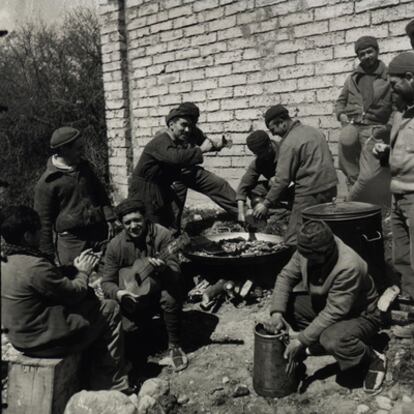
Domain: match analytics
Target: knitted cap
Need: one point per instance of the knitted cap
(364, 42)
(257, 141)
(129, 206)
(273, 112)
(192, 108)
(315, 236)
(63, 136)
(402, 63)
(180, 112)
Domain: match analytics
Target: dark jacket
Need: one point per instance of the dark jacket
(305, 159)
(351, 98)
(258, 167)
(159, 166)
(68, 201)
(122, 252)
(348, 290)
(36, 299)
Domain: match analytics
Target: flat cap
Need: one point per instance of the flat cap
(273, 112)
(180, 112)
(63, 136)
(190, 108)
(129, 206)
(402, 63)
(364, 42)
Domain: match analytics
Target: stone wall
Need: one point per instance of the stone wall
(233, 59)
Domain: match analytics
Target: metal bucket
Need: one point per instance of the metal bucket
(269, 372)
(359, 225)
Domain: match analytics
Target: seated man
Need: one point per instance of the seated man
(132, 256)
(46, 314)
(267, 153)
(339, 311)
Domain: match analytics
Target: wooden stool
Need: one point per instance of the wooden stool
(40, 385)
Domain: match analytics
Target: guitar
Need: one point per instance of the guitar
(137, 280)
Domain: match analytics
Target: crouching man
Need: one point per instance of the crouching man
(45, 314)
(142, 276)
(338, 312)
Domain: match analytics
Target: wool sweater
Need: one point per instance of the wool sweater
(348, 291)
(402, 153)
(306, 160)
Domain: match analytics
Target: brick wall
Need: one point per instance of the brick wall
(233, 59)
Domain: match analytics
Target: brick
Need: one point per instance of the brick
(178, 44)
(145, 83)
(239, 6)
(230, 33)
(199, 96)
(398, 28)
(169, 4)
(156, 49)
(241, 162)
(178, 65)
(241, 43)
(252, 53)
(237, 126)
(373, 4)
(250, 17)
(237, 103)
(194, 30)
(180, 87)
(242, 114)
(157, 18)
(187, 54)
(163, 26)
(247, 90)
(329, 94)
(344, 51)
(171, 35)
(291, 45)
(155, 69)
(205, 4)
(179, 11)
(327, 39)
(337, 10)
(201, 62)
(172, 99)
(216, 71)
(217, 162)
(339, 79)
(140, 73)
(336, 66)
(308, 29)
(377, 31)
(392, 13)
(246, 66)
(279, 86)
(315, 82)
(157, 90)
(214, 48)
(212, 14)
(187, 75)
(296, 18)
(220, 116)
(296, 71)
(228, 57)
(220, 93)
(279, 61)
(148, 8)
(142, 62)
(209, 106)
(394, 44)
(222, 24)
(184, 21)
(315, 55)
(164, 57)
(262, 3)
(232, 80)
(205, 84)
(315, 109)
(203, 39)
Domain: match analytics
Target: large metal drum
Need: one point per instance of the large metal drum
(359, 225)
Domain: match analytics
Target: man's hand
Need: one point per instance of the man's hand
(275, 323)
(343, 119)
(293, 350)
(380, 149)
(241, 213)
(86, 261)
(206, 146)
(260, 211)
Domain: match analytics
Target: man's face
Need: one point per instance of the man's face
(279, 126)
(181, 128)
(368, 57)
(134, 224)
(72, 153)
(403, 86)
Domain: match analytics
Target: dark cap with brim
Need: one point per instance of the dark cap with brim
(401, 64)
(274, 112)
(63, 136)
(180, 112)
(129, 206)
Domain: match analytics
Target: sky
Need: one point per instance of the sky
(13, 12)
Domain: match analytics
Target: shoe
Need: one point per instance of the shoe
(179, 360)
(404, 332)
(387, 298)
(376, 373)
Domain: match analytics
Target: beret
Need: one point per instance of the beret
(315, 236)
(63, 136)
(402, 63)
(180, 113)
(129, 206)
(273, 112)
(192, 108)
(257, 141)
(364, 42)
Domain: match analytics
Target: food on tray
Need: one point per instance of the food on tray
(239, 247)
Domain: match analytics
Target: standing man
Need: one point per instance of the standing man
(364, 103)
(138, 252)
(339, 311)
(305, 160)
(170, 157)
(71, 200)
(401, 161)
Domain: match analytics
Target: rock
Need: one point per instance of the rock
(240, 391)
(183, 399)
(403, 408)
(219, 398)
(154, 387)
(394, 394)
(148, 405)
(383, 403)
(168, 403)
(362, 408)
(100, 402)
(225, 380)
(406, 398)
